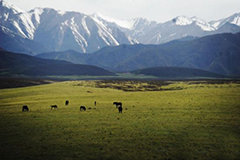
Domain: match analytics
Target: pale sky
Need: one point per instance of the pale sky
(158, 10)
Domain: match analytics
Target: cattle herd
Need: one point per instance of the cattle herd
(82, 108)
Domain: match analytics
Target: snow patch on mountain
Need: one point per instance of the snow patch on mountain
(234, 19)
(19, 29)
(36, 13)
(120, 22)
(9, 6)
(27, 23)
(7, 31)
(78, 37)
(84, 24)
(203, 24)
(182, 21)
(156, 39)
(104, 32)
(62, 13)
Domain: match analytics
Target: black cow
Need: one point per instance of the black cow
(25, 108)
(118, 104)
(53, 106)
(67, 102)
(120, 109)
(82, 108)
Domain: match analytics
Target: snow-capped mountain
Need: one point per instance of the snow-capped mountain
(151, 32)
(134, 28)
(16, 20)
(59, 31)
(177, 28)
(234, 19)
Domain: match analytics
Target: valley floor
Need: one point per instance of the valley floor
(160, 120)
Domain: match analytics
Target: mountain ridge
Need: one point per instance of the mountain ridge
(60, 31)
(218, 53)
(177, 73)
(21, 64)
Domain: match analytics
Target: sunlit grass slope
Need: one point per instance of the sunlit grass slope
(200, 121)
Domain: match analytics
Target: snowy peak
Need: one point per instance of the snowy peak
(6, 5)
(234, 19)
(202, 24)
(36, 15)
(17, 20)
(128, 24)
(58, 30)
(184, 21)
(140, 23)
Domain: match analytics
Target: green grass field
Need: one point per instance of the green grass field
(187, 120)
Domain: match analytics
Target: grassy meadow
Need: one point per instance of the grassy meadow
(170, 120)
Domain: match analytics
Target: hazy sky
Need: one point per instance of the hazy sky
(158, 10)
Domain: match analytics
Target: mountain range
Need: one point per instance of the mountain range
(47, 30)
(59, 31)
(21, 65)
(218, 53)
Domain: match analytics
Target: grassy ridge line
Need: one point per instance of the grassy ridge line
(20, 64)
(199, 122)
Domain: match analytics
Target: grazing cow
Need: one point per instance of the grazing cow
(120, 109)
(67, 102)
(82, 108)
(53, 106)
(25, 108)
(118, 104)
